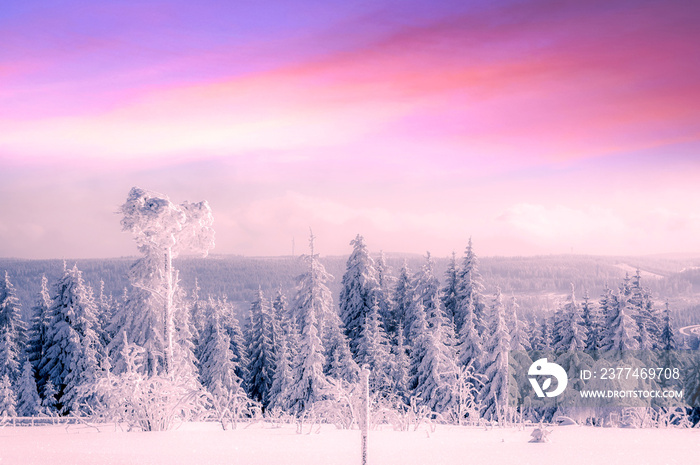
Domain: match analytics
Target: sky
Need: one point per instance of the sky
(534, 127)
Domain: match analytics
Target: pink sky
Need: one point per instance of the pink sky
(533, 126)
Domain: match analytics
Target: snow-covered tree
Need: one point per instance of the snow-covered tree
(373, 351)
(385, 296)
(162, 231)
(570, 332)
(282, 377)
(49, 404)
(403, 299)
(12, 330)
(261, 365)
(470, 350)
(8, 399)
(71, 349)
(668, 338)
(401, 367)
(450, 290)
(105, 309)
(495, 395)
(217, 369)
(312, 303)
(359, 287)
(470, 286)
(621, 330)
(592, 322)
(41, 319)
(432, 373)
(340, 364)
(518, 336)
(28, 401)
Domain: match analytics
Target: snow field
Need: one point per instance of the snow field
(206, 443)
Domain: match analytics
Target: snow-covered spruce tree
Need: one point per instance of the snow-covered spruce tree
(28, 401)
(106, 306)
(621, 331)
(668, 338)
(282, 377)
(495, 395)
(385, 296)
(217, 370)
(373, 351)
(432, 373)
(570, 331)
(449, 291)
(518, 336)
(261, 364)
(591, 321)
(39, 325)
(359, 286)
(428, 291)
(647, 318)
(239, 349)
(49, 404)
(12, 330)
(71, 349)
(470, 350)
(312, 304)
(198, 312)
(8, 399)
(162, 231)
(401, 368)
(340, 364)
(470, 286)
(403, 299)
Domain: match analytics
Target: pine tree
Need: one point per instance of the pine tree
(403, 299)
(518, 339)
(105, 309)
(239, 350)
(591, 321)
(432, 372)
(12, 331)
(8, 400)
(70, 355)
(470, 286)
(373, 351)
(282, 377)
(49, 404)
(668, 338)
(261, 366)
(313, 300)
(384, 296)
(570, 333)
(401, 368)
(340, 364)
(217, 369)
(41, 319)
(621, 332)
(648, 320)
(359, 288)
(450, 293)
(28, 401)
(496, 392)
(470, 346)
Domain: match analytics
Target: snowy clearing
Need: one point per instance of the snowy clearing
(206, 443)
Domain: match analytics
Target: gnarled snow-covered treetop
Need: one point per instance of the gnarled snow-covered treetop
(157, 223)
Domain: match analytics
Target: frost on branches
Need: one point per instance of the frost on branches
(162, 230)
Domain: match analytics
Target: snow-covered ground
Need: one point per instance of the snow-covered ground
(201, 444)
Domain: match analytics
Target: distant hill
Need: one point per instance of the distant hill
(539, 283)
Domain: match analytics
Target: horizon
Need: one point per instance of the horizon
(537, 128)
